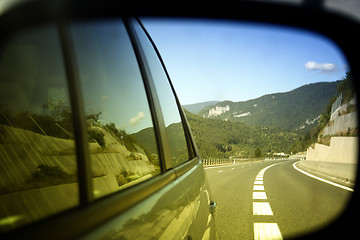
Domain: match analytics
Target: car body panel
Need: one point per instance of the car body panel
(180, 210)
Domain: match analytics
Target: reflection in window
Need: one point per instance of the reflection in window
(122, 141)
(167, 100)
(37, 149)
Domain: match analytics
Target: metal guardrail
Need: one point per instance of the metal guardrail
(227, 161)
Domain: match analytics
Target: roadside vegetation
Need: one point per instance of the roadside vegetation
(347, 90)
(223, 139)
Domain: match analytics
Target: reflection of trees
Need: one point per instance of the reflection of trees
(121, 136)
(55, 121)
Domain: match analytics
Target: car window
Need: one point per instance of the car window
(170, 110)
(121, 135)
(37, 148)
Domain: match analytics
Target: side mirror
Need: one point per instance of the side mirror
(22, 21)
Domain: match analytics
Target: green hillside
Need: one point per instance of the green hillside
(197, 107)
(220, 139)
(295, 110)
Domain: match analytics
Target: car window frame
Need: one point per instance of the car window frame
(192, 153)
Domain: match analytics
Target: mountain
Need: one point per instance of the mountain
(222, 139)
(197, 107)
(295, 110)
(218, 138)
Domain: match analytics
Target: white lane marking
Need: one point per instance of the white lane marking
(259, 195)
(259, 182)
(263, 231)
(222, 166)
(259, 178)
(262, 208)
(258, 188)
(323, 180)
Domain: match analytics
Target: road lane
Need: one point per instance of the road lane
(232, 187)
(298, 202)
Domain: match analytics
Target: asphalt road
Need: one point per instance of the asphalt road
(278, 202)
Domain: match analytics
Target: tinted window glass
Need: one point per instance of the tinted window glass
(37, 149)
(167, 100)
(122, 141)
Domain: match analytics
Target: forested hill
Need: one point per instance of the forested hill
(294, 110)
(218, 138)
(197, 107)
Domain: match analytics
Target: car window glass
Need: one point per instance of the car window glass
(173, 124)
(37, 148)
(122, 141)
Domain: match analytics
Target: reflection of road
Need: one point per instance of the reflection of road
(285, 201)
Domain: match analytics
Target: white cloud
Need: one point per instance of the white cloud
(324, 67)
(135, 120)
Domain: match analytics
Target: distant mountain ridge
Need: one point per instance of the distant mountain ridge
(197, 107)
(298, 109)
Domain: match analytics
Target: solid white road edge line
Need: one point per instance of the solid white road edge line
(321, 179)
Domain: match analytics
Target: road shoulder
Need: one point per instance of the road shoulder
(338, 182)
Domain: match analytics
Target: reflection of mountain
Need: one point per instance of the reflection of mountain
(176, 137)
(147, 140)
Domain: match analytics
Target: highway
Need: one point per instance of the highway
(271, 200)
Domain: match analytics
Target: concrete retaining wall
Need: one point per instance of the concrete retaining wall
(342, 124)
(341, 149)
(338, 160)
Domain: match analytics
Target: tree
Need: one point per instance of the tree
(257, 152)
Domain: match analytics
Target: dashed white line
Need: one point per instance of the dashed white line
(258, 188)
(259, 195)
(262, 208)
(263, 231)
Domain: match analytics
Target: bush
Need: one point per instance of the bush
(49, 176)
(98, 137)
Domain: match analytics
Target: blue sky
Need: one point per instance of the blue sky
(225, 60)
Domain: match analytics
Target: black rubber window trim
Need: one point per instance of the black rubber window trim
(154, 104)
(189, 141)
(79, 119)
